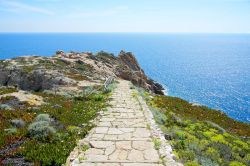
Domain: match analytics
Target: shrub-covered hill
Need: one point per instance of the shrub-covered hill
(202, 136)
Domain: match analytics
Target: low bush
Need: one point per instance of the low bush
(186, 110)
(235, 163)
(107, 90)
(11, 131)
(157, 143)
(49, 141)
(186, 155)
(6, 90)
(207, 161)
(6, 107)
(18, 123)
(49, 153)
(192, 163)
(41, 130)
(43, 117)
(195, 136)
(98, 97)
(73, 129)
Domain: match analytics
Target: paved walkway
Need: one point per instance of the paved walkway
(123, 135)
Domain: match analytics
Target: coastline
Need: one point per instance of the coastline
(161, 60)
(161, 88)
(69, 82)
(165, 93)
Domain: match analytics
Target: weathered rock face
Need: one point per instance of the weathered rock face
(127, 58)
(36, 80)
(129, 69)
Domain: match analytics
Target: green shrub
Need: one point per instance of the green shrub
(180, 135)
(85, 148)
(217, 119)
(107, 90)
(71, 120)
(191, 163)
(195, 147)
(43, 117)
(247, 159)
(98, 97)
(73, 129)
(6, 90)
(242, 144)
(236, 163)
(219, 138)
(11, 131)
(49, 153)
(224, 150)
(110, 88)
(194, 138)
(41, 130)
(18, 123)
(186, 155)
(212, 153)
(209, 134)
(157, 143)
(179, 144)
(216, 126)
(6, 107)
(208, 162)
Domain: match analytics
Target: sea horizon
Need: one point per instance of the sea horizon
(49, 32)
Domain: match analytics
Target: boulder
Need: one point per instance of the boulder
(36, 80)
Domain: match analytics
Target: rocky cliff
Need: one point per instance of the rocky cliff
(129, 69)
(72, 70)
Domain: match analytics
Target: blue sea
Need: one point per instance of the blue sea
(209, 69)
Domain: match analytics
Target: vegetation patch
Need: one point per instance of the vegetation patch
(4, 90)
(105, 57)
(29, 69)
(157, 143)
(50, 131)
(186, 110)
(196, 136)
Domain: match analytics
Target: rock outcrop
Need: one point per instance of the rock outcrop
(129, 69)
(67, 69)
(36, 81)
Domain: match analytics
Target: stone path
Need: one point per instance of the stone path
(123, 136)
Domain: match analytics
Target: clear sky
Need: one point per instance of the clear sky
(125, 16)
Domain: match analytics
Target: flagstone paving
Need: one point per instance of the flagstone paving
(122, 136)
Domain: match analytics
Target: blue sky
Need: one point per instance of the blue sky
(125, 16)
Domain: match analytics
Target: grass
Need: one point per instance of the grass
(148, 126)
(105, 57)
(201, 136)
(4, 91)
(85, 148)
(29, 69)
(77, 77)
(186, 110)
(70, 117)
(7, 99)
(157, 143)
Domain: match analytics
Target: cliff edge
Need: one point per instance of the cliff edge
(73, 69)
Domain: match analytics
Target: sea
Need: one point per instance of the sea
(207, 69)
